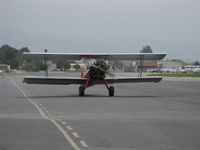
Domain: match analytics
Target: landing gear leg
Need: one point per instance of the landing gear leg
(111, 89)
(83, 87)
(81, 90)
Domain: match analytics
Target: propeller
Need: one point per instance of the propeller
(99, 65)
(103, 70)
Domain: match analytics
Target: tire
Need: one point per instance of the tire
(111, 91)
(81, 91)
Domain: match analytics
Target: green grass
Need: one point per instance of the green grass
(175, 75)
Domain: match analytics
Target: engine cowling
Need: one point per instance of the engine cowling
(96, 73)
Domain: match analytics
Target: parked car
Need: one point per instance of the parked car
(196, 70)
(2, 73)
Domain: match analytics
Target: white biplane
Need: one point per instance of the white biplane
(96, 73)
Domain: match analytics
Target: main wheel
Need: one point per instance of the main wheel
(81, 91)
(111, 91)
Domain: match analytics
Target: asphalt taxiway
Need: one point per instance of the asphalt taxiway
(141, 116)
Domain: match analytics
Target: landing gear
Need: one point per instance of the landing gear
(111, 91)
(81, 91)
(82, 88)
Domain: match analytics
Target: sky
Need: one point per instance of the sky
(171, 26)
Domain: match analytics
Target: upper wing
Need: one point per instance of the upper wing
(67, 80)
(107, 56)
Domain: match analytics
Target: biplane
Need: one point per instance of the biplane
(96, 73)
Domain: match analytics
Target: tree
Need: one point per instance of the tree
(34, 66)
(196, 63)
(77, 67)
(146, 49)
(67, 65)
(1, 59)
(24, 49)
(43, 67)
(63, 65)
(14, 62)
(27, 67)
(59, 65)
(10, 56)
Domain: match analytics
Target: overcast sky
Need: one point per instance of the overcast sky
(171, 26)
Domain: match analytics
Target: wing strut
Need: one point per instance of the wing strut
(46, 63)
(141, 63)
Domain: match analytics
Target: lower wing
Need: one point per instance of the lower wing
(67, 80)
(134, 79)
(53, 80)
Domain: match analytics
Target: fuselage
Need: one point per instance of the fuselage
(94, 75)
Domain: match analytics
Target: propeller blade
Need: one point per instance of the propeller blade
(105, 71)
